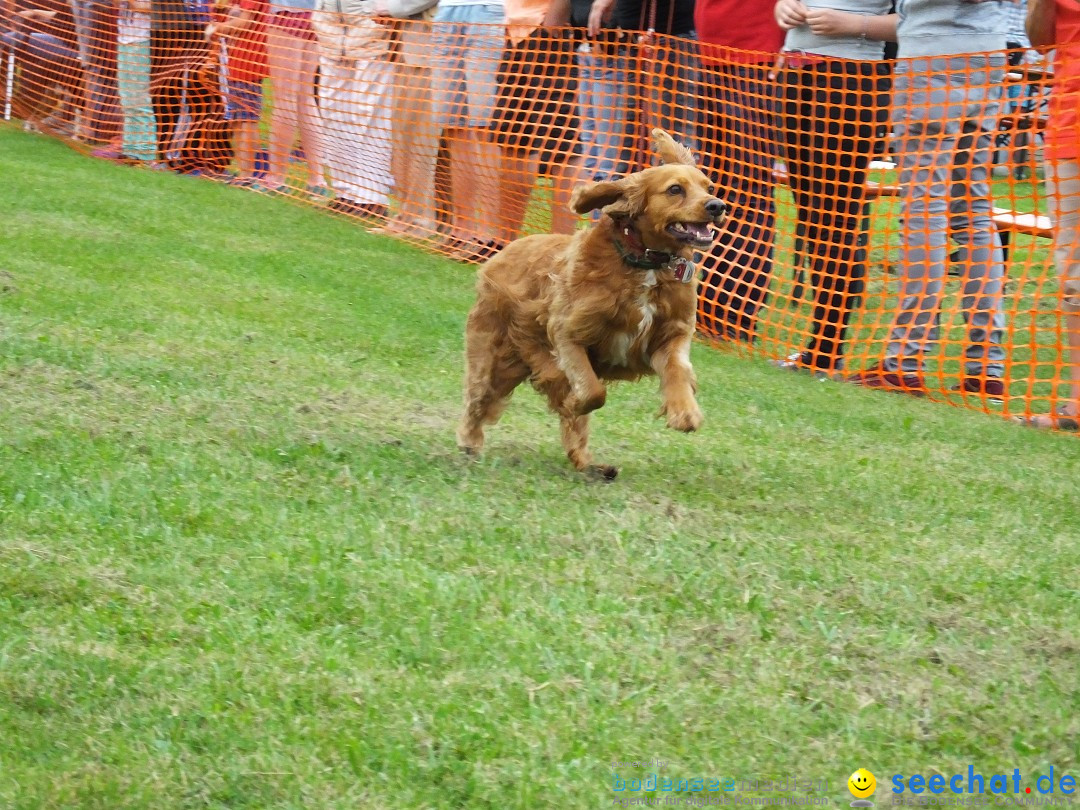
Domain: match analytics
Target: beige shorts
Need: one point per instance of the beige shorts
(1063, 205)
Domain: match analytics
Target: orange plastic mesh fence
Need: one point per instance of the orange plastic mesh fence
(889, 221)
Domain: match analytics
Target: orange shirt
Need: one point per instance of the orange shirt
(1063, 128)
(523, 17)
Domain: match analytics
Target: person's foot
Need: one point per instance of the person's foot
(241, 182)
(993, 388)
(274, 186)
(804, 361)
(107, 153)
(895, 381)
(476, 250)
(1064, 419)
(57, 126)
(407, 228)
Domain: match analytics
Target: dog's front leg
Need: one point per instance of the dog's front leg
(587, 393)
(678, 384)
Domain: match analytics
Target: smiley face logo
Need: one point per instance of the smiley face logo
(862, 784)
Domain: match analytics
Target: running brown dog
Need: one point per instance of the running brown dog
(614, 302)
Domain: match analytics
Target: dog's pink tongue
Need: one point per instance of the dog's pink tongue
(701, 231)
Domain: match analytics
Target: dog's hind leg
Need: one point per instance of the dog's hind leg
(492, 372)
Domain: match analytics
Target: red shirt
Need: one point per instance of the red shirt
(1063, 128)
(737, 30)
(247, 49)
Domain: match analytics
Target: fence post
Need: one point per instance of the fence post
(9, 82)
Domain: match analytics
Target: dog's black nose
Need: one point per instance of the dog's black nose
(716, 208)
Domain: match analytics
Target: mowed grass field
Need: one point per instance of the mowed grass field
(242, 564)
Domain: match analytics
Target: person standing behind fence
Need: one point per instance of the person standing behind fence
(738, 141)
(536, 116)
(176, 41)
(1057, 22)
(355, 86)
(415, 141)
(133, 81)
(603, 96)
(833, 108)
(947, 99)
(241, 39)
(293, 58)
(663, 63)
(104, 115)
(43, 44)
(468, 42)
(95, 28)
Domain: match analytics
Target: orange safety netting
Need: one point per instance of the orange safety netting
(897, 230)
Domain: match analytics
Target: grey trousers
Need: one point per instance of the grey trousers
(945, 115)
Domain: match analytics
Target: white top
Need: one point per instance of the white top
(131, 26)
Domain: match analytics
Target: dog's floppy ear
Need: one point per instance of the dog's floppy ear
(591, 196)
(617, 198)
(670, 150)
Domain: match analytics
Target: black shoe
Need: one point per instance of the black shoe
(343, 205)
(991, 387)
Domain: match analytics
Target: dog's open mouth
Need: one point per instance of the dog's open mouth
(698, 234)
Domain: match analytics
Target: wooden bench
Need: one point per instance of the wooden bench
(1009, 222)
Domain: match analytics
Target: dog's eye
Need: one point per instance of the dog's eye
(675, 190)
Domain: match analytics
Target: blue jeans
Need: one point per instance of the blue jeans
(604, 101)
(612, 113)
(467, 44)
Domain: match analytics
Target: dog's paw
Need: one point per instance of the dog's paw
(470, 442)
(601, 472)
(685, 419)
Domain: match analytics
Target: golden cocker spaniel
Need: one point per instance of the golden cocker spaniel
(613, 302)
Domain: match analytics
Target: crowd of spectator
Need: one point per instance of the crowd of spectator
(378, 97)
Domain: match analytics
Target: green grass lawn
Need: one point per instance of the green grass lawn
(242, 564)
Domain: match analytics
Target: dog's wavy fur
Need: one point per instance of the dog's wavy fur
(568, 313)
